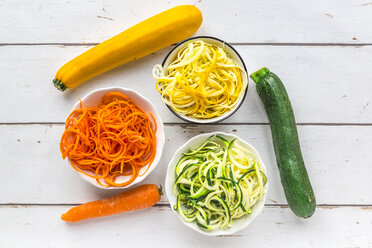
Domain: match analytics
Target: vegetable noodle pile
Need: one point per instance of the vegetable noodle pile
(218, 182)
(112, 140)
(202, 82)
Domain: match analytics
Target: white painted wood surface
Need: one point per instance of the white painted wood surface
(46, 178)
(338, 21)
(327, 84)
(321, 50)
(158, 227)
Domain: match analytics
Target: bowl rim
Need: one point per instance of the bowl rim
(160, 135)
(169, 186)
(227, 114)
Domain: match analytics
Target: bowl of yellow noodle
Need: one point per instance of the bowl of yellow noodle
(202, 80)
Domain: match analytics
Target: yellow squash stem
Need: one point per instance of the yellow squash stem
(153, 34)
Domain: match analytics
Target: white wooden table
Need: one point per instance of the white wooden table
(322, 50)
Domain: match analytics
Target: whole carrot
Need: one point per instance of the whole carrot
(143, 196)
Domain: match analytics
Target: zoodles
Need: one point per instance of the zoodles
(202, 82)
(218, 182)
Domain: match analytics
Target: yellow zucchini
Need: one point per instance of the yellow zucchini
(155, 33)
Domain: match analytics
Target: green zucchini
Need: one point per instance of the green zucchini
(295, 180)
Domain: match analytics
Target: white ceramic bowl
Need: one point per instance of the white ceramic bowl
(234, 55)
(94, 99)
(196, 141)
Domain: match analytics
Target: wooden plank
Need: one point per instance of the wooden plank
(238, 21)
(335, 227)
(320, 91)
(338, 159)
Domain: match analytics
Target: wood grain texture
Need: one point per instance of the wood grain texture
(320, 49)
(338, 160)
(85, 21)
(325, 84)
(330, 227)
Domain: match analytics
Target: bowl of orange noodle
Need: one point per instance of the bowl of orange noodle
(113, 138)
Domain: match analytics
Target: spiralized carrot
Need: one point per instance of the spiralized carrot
(112, 140)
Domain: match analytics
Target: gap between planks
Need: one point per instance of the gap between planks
(232, 43)
(185, 124)
(166, 205)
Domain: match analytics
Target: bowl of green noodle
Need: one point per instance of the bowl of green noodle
(216, 183)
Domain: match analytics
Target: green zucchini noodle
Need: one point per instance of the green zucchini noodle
(202, 81)
(218, 182)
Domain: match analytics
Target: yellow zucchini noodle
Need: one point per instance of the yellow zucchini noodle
(202, 81)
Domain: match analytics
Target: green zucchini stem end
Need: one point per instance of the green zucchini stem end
(256, 76)
(59, 85)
